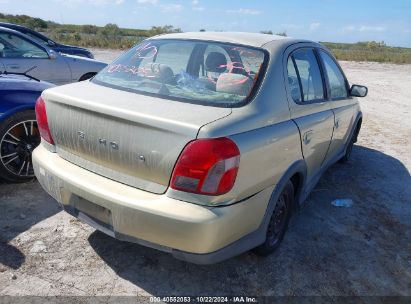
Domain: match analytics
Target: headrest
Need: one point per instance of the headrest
(216, 62)
(162, 72)
(234, 84)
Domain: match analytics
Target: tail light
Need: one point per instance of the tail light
(207, 166)
(42, 121)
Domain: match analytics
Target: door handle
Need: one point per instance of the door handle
(307, 137)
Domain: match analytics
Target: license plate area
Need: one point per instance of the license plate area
(93, 210)
(96, 224)
(86, 210)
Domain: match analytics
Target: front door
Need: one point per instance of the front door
(341, 103)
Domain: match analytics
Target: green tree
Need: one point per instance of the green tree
(166, 29)
(284, 34)
(89, 29)
(269, 32)
(111, 29)
(36, 23)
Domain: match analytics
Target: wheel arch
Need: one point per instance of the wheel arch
(297, 174)
(15, 110)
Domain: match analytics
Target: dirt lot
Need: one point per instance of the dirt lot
(361, 250)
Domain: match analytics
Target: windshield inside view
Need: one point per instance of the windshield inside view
(197, 71)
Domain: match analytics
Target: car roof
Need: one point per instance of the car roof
(9, 30)
(14, 26)
(245, 38)
(8, 24)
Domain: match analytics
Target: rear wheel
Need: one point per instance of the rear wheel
(279, 221)
(19, 136)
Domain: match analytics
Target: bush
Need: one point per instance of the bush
(89, 29)
(111, 29)
(36, 24)
(269, 32)
(369, 51)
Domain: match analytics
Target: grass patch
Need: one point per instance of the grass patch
(369, 51)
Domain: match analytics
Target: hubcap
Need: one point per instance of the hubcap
(278, 221)
(16, 148)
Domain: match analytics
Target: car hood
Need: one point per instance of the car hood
(80, 58)
(22, 83)
(66, 46)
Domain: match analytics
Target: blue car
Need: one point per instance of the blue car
(44, 40)
(19, 134)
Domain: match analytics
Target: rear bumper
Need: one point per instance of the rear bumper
(190, 232)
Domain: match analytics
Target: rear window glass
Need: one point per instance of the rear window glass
(208, 73)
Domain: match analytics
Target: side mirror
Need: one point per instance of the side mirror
(358, 90)
(51, 43)
(52, 54)
(1, 47)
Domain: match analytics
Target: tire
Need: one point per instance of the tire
(86, 76)
(348, 151)
(19, 136)
(279, 220)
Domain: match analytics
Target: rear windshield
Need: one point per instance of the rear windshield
(208, 73)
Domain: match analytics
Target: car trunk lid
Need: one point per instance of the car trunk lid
(128, 137)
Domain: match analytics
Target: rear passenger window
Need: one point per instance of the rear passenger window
(293, 81)
(336, 80)
(309, 75)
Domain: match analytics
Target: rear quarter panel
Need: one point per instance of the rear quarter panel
(269, 141)
(12, 102)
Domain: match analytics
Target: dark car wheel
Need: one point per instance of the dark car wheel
(348, 152)
(19, 136)
(349, 148)
(279, 221)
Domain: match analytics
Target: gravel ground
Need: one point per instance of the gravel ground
(331, 251)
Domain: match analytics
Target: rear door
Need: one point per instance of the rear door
(340, 101)
(309, 108)
(21, 54)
